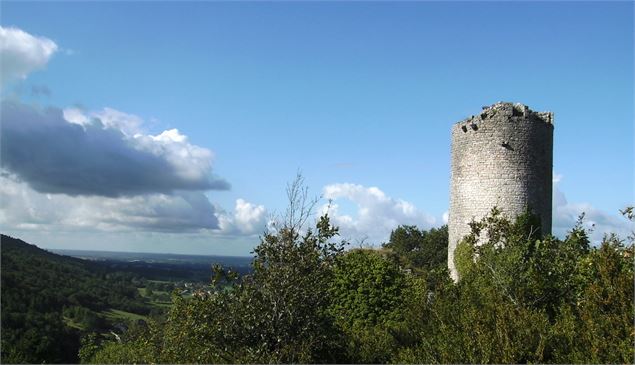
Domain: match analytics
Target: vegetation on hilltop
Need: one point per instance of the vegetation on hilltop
(48, 300)
(521, 298)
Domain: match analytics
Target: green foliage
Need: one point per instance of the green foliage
(89, 346)
(598, 327)
(371, 344)
(40, 289)
(290, 282)
(148, 292)
(32, 336)
(512, 259)
(466, 324)
(277, 314)
(521, 298)
(366, 289)
(367, 292)
(84, 317)
(419, 249)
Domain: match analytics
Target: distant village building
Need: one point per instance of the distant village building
(501, 157)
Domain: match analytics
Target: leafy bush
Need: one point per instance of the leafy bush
(521, 298)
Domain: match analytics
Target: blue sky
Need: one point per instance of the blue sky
(358, 95)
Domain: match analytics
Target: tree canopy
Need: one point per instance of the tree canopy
(521, 298)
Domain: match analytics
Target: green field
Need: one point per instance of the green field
(152, 298)
(160, 281)
(116, 314)
(70, 323)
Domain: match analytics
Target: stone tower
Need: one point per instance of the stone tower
(502, 157)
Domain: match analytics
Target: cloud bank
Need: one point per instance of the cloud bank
(247, 219)
(99, 154)
(68, 170)
(565, 216)
(376, 213)
(22, 53)
(25, 209)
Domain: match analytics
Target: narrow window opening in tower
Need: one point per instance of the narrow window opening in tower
(464, 128)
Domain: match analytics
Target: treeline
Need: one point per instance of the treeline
(521, 298)
(42, 292)
(163, 271)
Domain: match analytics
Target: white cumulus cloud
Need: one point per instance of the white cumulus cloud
(22, 53)
(73, 170)
(76, 116)
(565, 215)
(129, 124)
(70, 170)
(376, 213)
(76, 153)
(247, 218)
(23, 208)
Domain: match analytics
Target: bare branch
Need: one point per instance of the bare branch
(301, 206)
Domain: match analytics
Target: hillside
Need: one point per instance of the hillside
(49, 299)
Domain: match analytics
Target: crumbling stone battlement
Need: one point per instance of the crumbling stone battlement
(514, 112)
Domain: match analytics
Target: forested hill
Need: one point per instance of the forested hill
(46, 297)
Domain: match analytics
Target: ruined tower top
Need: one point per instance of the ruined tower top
(507, 109)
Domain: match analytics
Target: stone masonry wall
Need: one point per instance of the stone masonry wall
(502, 157)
